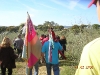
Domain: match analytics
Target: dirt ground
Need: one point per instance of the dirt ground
(21, 69)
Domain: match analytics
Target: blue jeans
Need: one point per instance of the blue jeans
(55, 68)
(36, 67)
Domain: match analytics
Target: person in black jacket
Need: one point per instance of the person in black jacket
(7, 56)
(63, 43)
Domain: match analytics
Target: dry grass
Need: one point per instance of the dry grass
(21, 69)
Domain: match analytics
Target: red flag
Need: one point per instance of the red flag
(32, 43)
(97, 3)
(92, 2)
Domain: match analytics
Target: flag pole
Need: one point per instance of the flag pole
(28, 70)
(27, 37)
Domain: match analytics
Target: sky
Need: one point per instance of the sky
(63, 12)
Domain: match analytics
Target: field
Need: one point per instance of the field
(75, 44)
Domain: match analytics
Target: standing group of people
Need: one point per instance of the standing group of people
(50, 48)
(54, 44)
(62, 40)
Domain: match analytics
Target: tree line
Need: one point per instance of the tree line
(43, 27)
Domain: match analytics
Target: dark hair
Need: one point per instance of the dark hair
(42, 35)
(47, 35)
(19, 35)
(51, 28)
(57, 38)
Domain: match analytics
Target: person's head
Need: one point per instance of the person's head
(51, 28)
(57, 38)
(5, 42)
(42, 35)
(19, 36)
(47, 35)
(63, 37)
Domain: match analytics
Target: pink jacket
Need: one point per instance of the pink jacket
(44, 40)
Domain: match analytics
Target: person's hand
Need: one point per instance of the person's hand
(43, 60)
(0, 62)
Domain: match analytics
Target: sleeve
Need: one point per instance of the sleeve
(12, 54)
(60, 42)
(65, 41)
(60, 47)
(44, 48)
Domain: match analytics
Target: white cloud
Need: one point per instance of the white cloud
(70, 4)
(47, 6)
(73, 3)
(60, 3)
(28, 7)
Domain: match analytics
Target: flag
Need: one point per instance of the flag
(32, 45)
(97, 3)
(92, 2)
(98, 9)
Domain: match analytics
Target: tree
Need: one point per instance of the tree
(81, 27)
(2, 29)
(95, 26)
(12, 28)
(75, 29)
(61, 27)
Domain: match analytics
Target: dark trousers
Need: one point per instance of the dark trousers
(19, 51)
(63, 54)
(55, 68)
(3, 71)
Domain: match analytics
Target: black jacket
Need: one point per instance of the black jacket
(63, 43)
(7, 57)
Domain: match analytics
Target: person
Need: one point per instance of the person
(19, 45)
(7, 56)
(52, 32)
(51, 55)
(60, 52)
(63, 43)
(45, 39)
(90, 58)
(41, 37)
